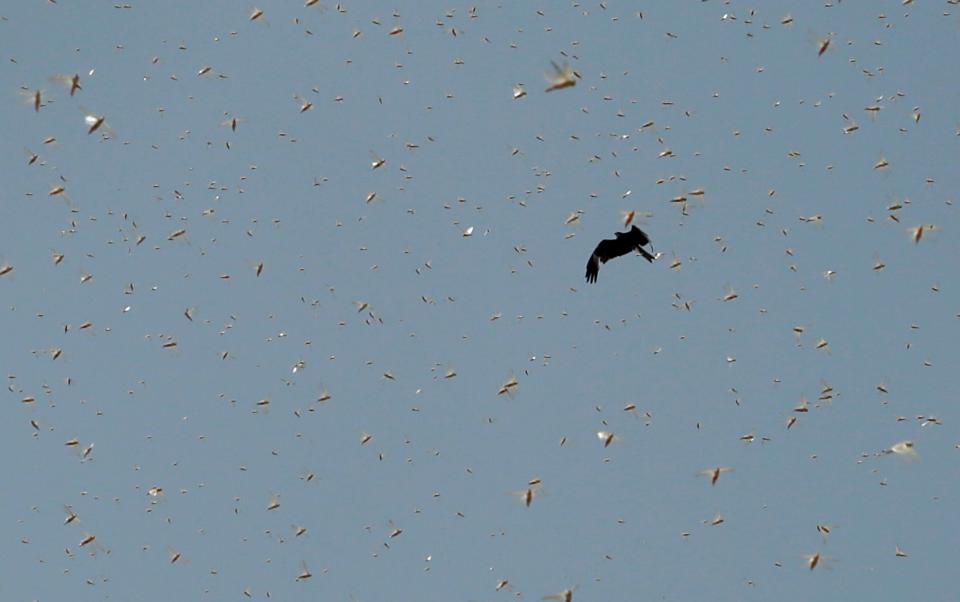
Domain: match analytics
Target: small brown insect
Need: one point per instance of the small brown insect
(255, 14)
(304, 572)
(93, 121)
(563, 77)
(35, 98)
(528, 494)
(71, 515)
(70, 81)
(813, 560)
(918, 232)
(824, 44)
(233, 122)
(395, 530)
(824, 530)
(5, 269)
(509, 388)
(305, 105)
(730, 295)
(714, 473)
(564, 596)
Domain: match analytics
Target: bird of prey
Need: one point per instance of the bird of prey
(633, 239)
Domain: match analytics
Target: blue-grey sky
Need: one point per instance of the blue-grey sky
(222, 325)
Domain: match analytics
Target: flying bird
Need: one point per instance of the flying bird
(633, 239)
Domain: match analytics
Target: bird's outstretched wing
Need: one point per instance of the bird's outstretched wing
(593, 268)
(605, 251)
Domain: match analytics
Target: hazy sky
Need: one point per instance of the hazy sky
(223, 325)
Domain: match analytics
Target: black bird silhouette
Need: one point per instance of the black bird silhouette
(633, 239)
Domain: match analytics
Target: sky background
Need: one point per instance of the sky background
(672, 98)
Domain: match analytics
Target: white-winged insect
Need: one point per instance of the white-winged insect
(903, 449)
(156, 494)
(95, 121)
(608, 438)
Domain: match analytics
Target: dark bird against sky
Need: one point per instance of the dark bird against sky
(633, 239)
